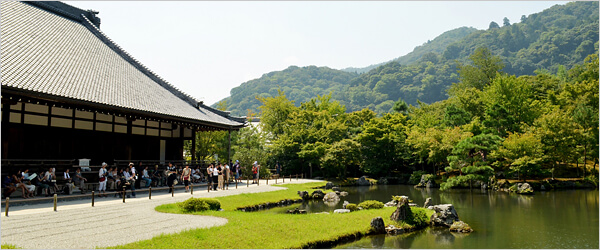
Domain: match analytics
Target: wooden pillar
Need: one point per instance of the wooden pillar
(194, 131)
(5, 120)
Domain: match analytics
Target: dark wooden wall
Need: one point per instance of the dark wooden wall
(21, 141)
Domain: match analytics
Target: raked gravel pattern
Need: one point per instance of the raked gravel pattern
(78, 225)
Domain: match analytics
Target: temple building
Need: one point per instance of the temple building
(70, 92)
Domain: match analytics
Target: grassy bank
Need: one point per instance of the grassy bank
(269, 229)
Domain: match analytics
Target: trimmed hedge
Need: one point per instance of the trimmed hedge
(370, 204)
(199, 204)
(352, 207)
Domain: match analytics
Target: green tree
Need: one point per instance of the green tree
(400, 106)
(505, 22)
(509, 105)
(521, 153)
(383, 144)
(557, 132)
(275, 113)
(470, 158)
(493, 25)
(250, 148)
(340, 157)
(482, 71)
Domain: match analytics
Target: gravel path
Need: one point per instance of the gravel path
(77, 224)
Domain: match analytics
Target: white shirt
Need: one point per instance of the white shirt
(215, 172)
(145, 174)
(101, 172)
(132, 170)
(127, 175)
(67, 176)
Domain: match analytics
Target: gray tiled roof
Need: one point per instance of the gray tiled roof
(48, 53)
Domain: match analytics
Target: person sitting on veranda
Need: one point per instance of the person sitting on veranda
(146, 177)
(157, 177)
(130, 178)
(41, 181)
(69, 181)
(50, 179)
(111, 180)
(8, 187)
(79, 180)
(16, 178)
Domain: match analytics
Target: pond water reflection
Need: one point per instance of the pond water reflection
(554, 219)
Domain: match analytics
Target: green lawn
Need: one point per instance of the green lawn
(266, 229)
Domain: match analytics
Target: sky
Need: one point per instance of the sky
(206, 48)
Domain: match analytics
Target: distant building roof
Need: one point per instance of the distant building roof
(55, 50)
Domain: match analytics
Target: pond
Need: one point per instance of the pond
(553, 219)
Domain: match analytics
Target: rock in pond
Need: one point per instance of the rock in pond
(331, 197)
(428, 202)
(304, 195)
(521, 188)
(341, 211)
(343, 193)
(377, 225)
(329, 185)
(460, 227)
(336, 189)
(362, 181)
(345, 203)
(429, 184)
(393, 230)
(382, 181)
(445, 215)
(318, 194)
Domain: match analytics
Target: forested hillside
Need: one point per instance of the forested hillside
(552, 41)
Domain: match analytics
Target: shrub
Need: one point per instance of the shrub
(212, 203)
(415, 177)
(199, 204)
(418, 218)
(352, 207)
(370, 204)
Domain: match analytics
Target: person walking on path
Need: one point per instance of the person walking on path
(278, 168)
(220, 178)
(102, 173)
(255, 172)
(215, 175)
(186, 176)
(237, 170)
(209, 176)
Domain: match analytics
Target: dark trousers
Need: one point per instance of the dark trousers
(215, 181)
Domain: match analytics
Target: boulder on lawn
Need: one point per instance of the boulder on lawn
(377, 225)
(341, 211)
(402, 210)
